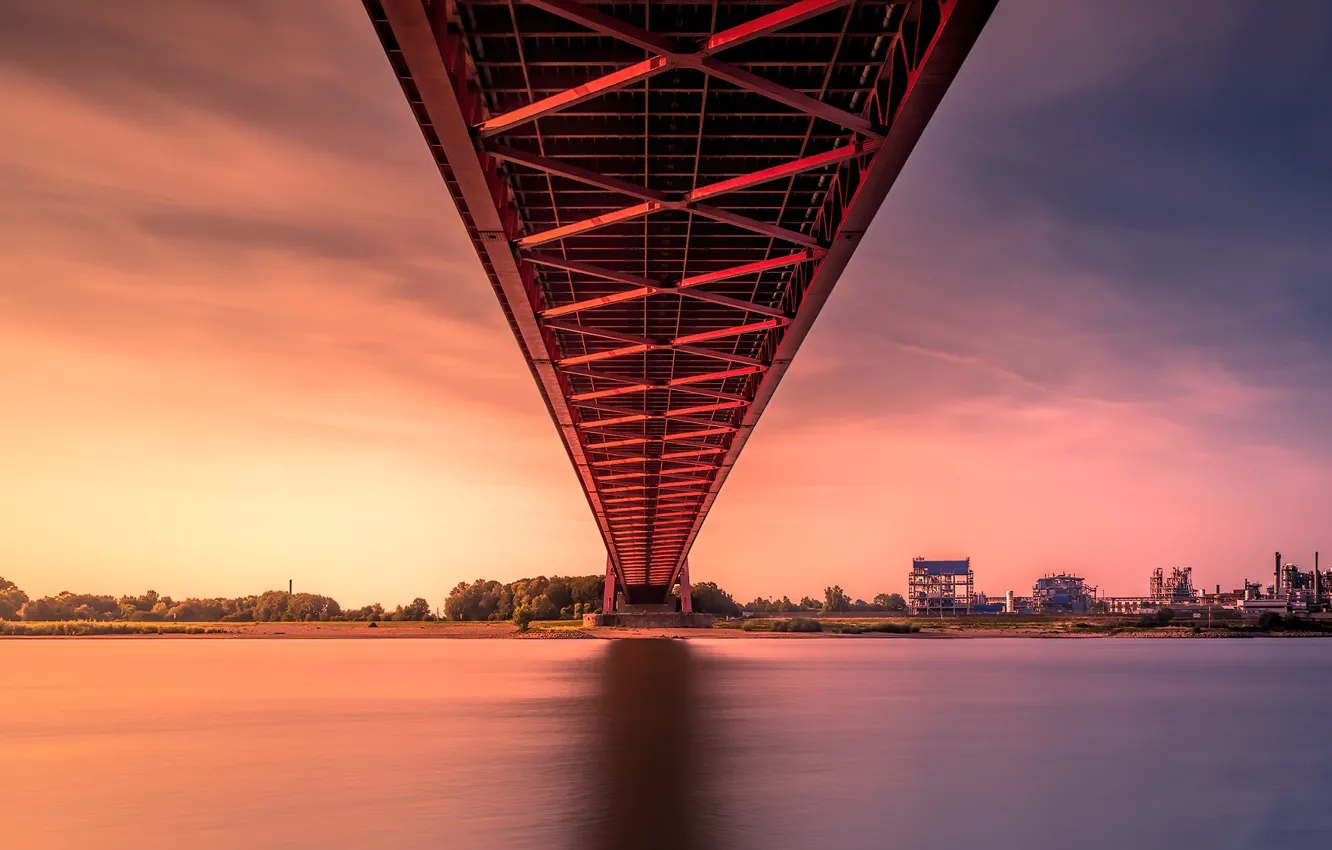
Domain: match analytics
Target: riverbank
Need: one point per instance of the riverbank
(829, 629)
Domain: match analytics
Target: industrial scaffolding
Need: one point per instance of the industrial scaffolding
(1063, 594)
(941, 588)
(1175, 589)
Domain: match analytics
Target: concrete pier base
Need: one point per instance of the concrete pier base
(650, 620)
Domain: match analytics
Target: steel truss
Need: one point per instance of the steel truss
(662, 225)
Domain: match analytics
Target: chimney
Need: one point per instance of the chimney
(289, 581)
(1317, 579)
(1276, 586)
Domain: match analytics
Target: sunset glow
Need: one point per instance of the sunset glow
(243, 337)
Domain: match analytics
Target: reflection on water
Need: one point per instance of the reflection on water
(851, 743)
(650, 750)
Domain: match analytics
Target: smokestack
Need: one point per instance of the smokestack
(289, 581)
(1276, 586)
(1317, 579)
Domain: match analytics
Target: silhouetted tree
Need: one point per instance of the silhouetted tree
(834, 599)
(543, 608)
(708, 598)
(889, 602)
(475, 601)
(11, 600)
(419, 609)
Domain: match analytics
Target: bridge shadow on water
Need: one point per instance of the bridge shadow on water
(656, 763)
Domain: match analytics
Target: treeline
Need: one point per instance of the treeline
(540, 598)
(557, 598)
(554, 598)
(570, 597)
(274, 605)
(834, 600)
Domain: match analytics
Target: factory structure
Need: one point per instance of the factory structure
(1291, 590)
(1063, 594)
(947, 588)
(941, 588)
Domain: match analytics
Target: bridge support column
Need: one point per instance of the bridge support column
(608, 594)
(686, 593)
(622, 610)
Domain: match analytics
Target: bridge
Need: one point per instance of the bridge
(663, 195)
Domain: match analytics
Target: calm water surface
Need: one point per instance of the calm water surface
(798, 743)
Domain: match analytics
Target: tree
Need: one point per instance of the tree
(548, 598)
(46, 609)
(890, 602)
(523, 617)
(368, 612)
(11, 600)
(271, 605)
(809, 603)
(542, 608)
(708, 598)
(559, 593)
(475, 601)
(834, 599)
(419, 609)
(588, 590)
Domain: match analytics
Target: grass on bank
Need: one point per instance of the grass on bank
(80, 628)
(809, 624)
(1100, 625)
(86, 628)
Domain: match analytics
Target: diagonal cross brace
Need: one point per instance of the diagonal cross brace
(667, 57)
(684, 287)
(733, 184)
(648, 196)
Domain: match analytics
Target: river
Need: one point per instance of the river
(796, 743)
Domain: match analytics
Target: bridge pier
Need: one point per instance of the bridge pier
(686, 592)
(608, 593)
(647, 606)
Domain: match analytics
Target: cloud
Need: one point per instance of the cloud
(1088, 328)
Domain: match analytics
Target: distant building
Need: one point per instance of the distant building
(1062, 594)
(1125, 604)
(940, 588)
(1292, 588)
(1175, 589)
(982, 604)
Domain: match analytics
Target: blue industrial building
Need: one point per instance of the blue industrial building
(940, 588)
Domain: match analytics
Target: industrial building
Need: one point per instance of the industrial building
(1292, 590)
(1063, 593)
(941, 588)
(1175, 589)
(947, 588)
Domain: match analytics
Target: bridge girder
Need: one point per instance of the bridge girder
(580, 144)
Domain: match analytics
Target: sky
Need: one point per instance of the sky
(243, 338)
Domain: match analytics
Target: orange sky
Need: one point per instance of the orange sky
(243, 339)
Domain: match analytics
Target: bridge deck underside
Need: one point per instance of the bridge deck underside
(673, 189)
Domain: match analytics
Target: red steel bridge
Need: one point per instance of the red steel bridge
(663, 195)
